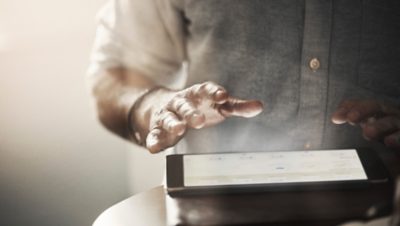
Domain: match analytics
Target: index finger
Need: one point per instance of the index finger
(371, 108)
(241, 108)
(357, 111)
(363, 110)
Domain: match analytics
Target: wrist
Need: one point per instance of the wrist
(140, 113)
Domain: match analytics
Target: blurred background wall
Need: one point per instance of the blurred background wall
(58, 166)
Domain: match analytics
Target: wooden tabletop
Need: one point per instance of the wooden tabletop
(143, 209)
(149, 209)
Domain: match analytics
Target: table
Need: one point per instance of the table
(143, 209)
(148, 209)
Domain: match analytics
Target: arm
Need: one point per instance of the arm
(115, 90)
(129, 103)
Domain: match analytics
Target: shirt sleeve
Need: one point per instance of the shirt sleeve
(141, 35)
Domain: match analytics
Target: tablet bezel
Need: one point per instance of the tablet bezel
(373, 166)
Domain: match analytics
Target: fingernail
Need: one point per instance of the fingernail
(151, 140)
(338, 121)
(253, 113)
(338, 117)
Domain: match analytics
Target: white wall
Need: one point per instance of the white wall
(58, 166)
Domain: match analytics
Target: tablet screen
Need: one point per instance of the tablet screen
(272, 167)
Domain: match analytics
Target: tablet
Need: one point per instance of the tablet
(273, 171)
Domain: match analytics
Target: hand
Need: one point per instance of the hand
(379, 121)
(199, 106)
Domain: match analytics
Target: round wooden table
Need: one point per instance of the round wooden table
(149, 209)
(144, 209)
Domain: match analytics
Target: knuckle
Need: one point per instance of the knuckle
(210, 83)
(191, 92)
(208, 86)
(203, 85)
(171, 104)
(169, 115)
(180, 94)
(169, 120)
(183, 104)
(187, 111)
(176, 103)
(197, 88)
(202, 88)
(212, 87)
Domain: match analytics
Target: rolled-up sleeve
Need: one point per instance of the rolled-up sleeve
(144, 36)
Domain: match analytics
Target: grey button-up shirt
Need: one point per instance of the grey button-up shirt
(301, 58)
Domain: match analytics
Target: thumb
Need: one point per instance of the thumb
(241, 108)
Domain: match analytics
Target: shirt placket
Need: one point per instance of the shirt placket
(314, 71)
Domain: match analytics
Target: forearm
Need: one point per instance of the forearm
(115, 91)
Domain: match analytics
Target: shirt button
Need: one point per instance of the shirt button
(314, 64)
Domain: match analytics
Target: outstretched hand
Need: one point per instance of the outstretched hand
(196, 107)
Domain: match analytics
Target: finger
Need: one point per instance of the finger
(363, 110)
(154, 140)
(210, 91)
(354, 112)
(159, 139)
(339, 116)
(186, 110)
(241, 108)
(393, 140)
(381, 127)
(170, 122)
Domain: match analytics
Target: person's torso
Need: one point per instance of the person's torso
(261, 49)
